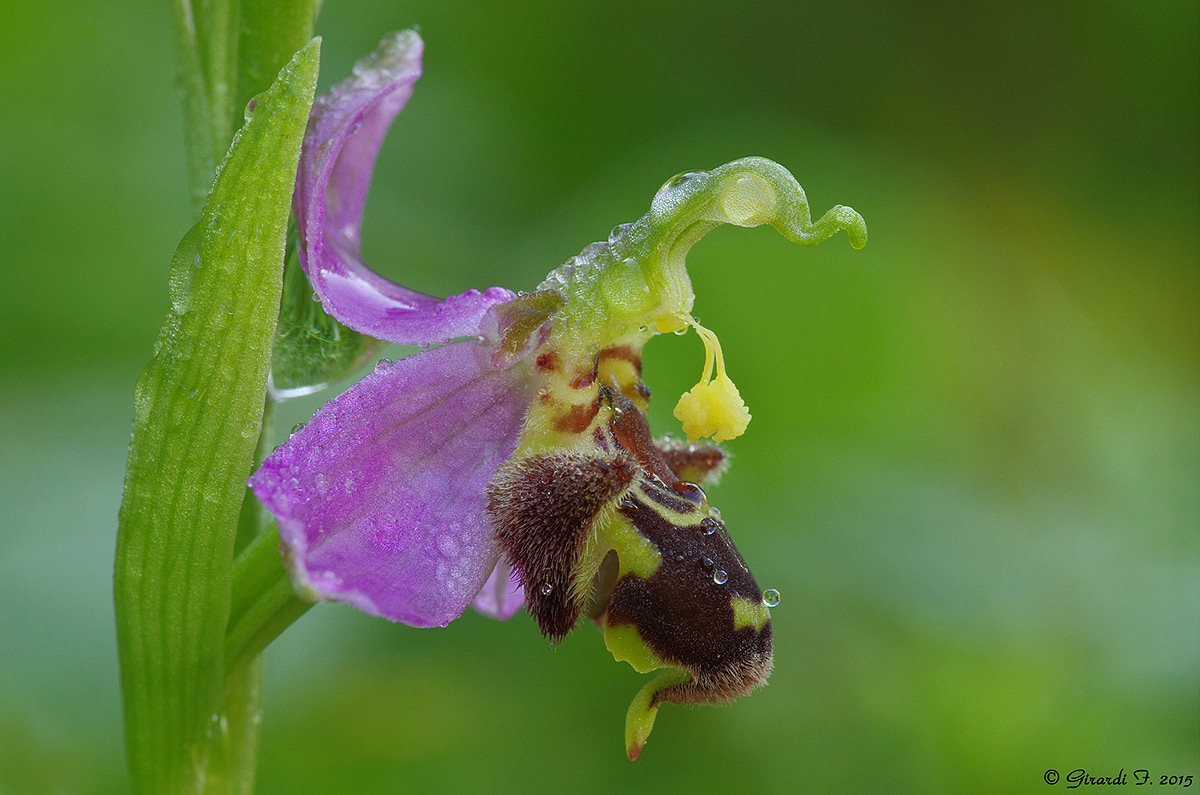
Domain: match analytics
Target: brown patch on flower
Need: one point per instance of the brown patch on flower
(542, 509)
(577, 418)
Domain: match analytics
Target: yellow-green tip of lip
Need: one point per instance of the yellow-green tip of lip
(639, 720)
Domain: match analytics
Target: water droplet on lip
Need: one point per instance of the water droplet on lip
(770, 597)
(689, 491)
(679, 179)
(546, 589)
(719, 576)
(617, 231)
(710, 526)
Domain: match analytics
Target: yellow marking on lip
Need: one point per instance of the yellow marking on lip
(627, 645)
(749, 613)
(636, 554)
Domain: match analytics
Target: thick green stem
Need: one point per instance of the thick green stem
(264, 602)
(233, 739)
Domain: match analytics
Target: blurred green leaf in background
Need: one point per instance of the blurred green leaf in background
(974, 467)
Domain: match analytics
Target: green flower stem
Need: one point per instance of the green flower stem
(199, 414)
(234, 743)
(206, 37)
(229, 51)
(264, 602)
(271, 31)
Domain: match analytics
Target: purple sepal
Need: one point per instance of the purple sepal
(380, 497)
(345, 131)
(501, 596)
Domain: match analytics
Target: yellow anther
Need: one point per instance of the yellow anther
(713, 406)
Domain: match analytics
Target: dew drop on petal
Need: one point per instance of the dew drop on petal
(719, 576)
(617, 231)
(770, 597)
(679, 179)
(546, 589)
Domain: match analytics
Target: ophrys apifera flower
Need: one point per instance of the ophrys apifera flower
(513, 461)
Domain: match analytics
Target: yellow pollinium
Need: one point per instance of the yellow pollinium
(713, 406)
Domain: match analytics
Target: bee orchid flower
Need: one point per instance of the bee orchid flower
(510, 463)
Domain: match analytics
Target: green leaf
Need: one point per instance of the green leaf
(199, 412)
(312, 348)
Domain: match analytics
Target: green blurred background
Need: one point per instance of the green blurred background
(974, 466)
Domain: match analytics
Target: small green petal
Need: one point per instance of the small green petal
(639, 720)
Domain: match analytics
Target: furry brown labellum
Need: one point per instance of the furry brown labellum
(543, 509)
(611, 528)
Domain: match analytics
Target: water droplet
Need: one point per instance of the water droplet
(689, 491)
(710, 526)
(679, 332)
(679, 179)
(546, 589)
(716, 512)
(617, 231)
(719, 576)
(770, 597)
(299, 426)
(316, 297)
(706, 563)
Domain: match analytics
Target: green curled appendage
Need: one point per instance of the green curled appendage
(636, 284)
